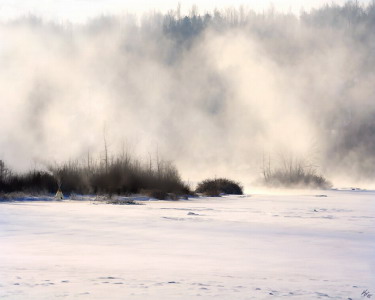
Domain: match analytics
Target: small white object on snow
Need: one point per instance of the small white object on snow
(59, 195)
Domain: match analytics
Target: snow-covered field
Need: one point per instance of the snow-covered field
(256, 247)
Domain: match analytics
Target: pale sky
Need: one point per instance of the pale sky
(81, 10)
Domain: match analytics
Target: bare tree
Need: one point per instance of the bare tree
(4, 171)
(105, 149)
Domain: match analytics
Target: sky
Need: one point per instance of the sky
(78, 11)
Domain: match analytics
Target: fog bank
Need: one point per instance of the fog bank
(216, 93)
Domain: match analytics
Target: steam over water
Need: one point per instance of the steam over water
(215, 93)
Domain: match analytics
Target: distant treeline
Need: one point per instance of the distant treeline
(121, 175)
(352, 16)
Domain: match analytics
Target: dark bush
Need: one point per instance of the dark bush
(295, 174)
(31, 182)
(215, 187)
(119, 176)
(305, 179)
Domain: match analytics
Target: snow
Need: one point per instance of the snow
(264, 246)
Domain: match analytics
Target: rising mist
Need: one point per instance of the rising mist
(216, 93)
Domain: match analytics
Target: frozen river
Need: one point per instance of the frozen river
(298, 246)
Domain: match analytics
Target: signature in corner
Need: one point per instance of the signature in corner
(366, 293)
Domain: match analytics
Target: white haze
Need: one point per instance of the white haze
(215, 102)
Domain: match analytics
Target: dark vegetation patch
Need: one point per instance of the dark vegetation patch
(31, 182)
(294, 173)
(123, 175)
(217, 186)
(297, 179)
(123, 202)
